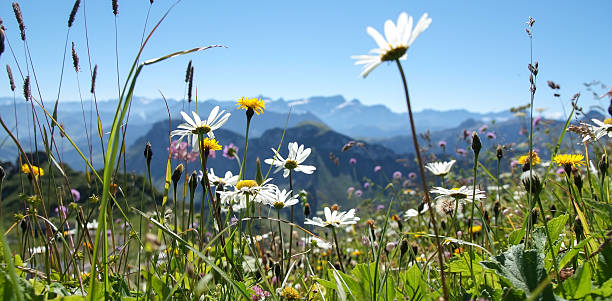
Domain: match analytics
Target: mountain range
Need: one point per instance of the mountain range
(348, 117)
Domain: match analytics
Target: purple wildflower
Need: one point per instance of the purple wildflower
(377, 168)
(461, 152)
(380, 207)
(483, 128)
(353, 161)
(230, 151)
(412, 175)
(76, 195)
(178, 151)
(259, 293)
(442, 144)
(358, 193)
(350, 190)
(536, 121)
(397, 174)
(491, 135)
(366, 185)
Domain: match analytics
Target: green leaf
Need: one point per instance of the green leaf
(579, 285)
(604, 264)
(557, 225)
(516, 236)
(521, 269)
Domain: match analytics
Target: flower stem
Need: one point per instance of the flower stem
(291, 219)
(282, 247)
(424, 182)
(337, 249)
(246, 145)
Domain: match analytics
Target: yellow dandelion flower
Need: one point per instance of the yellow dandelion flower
(211, 144)
(476, 228)
(254, 104)
(569, 160)
(36, 171)
(525, 158)
(290, 293)
(458, 251)
(357, 253)
(319, 268)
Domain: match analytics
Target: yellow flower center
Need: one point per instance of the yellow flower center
(291, 164)
(393, 54)
(278, 205)
(202, 129)
(246, 184)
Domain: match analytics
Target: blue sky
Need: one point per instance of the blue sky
(474, 55)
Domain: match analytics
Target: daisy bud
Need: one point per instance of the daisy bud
(306, 210)
(193, 182)
(531, 181)
(403, 247)
(486, 217)
(603, 163)
(115, 7)
(578, 180)
(496, 209)
(500, 152)
(258, 174)
(476, 144)
(148, 153)
(390, 246)
(178, 172)
(578, 229)
(335, 207)
(443, 225)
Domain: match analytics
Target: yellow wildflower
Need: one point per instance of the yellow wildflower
(525, 158)
(36, 171)
(290, 293)
(211, 144)
(476, 228)
(569, 160)
(254, 104)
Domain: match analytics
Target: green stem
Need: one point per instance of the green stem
(338, 249)
(246, 145)
(291, 218)
(424, 182)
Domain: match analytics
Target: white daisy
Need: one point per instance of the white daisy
(334, 219)
(462, 193)
(440, 168)
(228, 180)
(247, 189)
(599, 130)
(281, 199)
(195, 127)
(297, 156)
(398, 39)
(316, 242)
(410, 213)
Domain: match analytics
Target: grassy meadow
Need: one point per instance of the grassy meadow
(523, 221)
